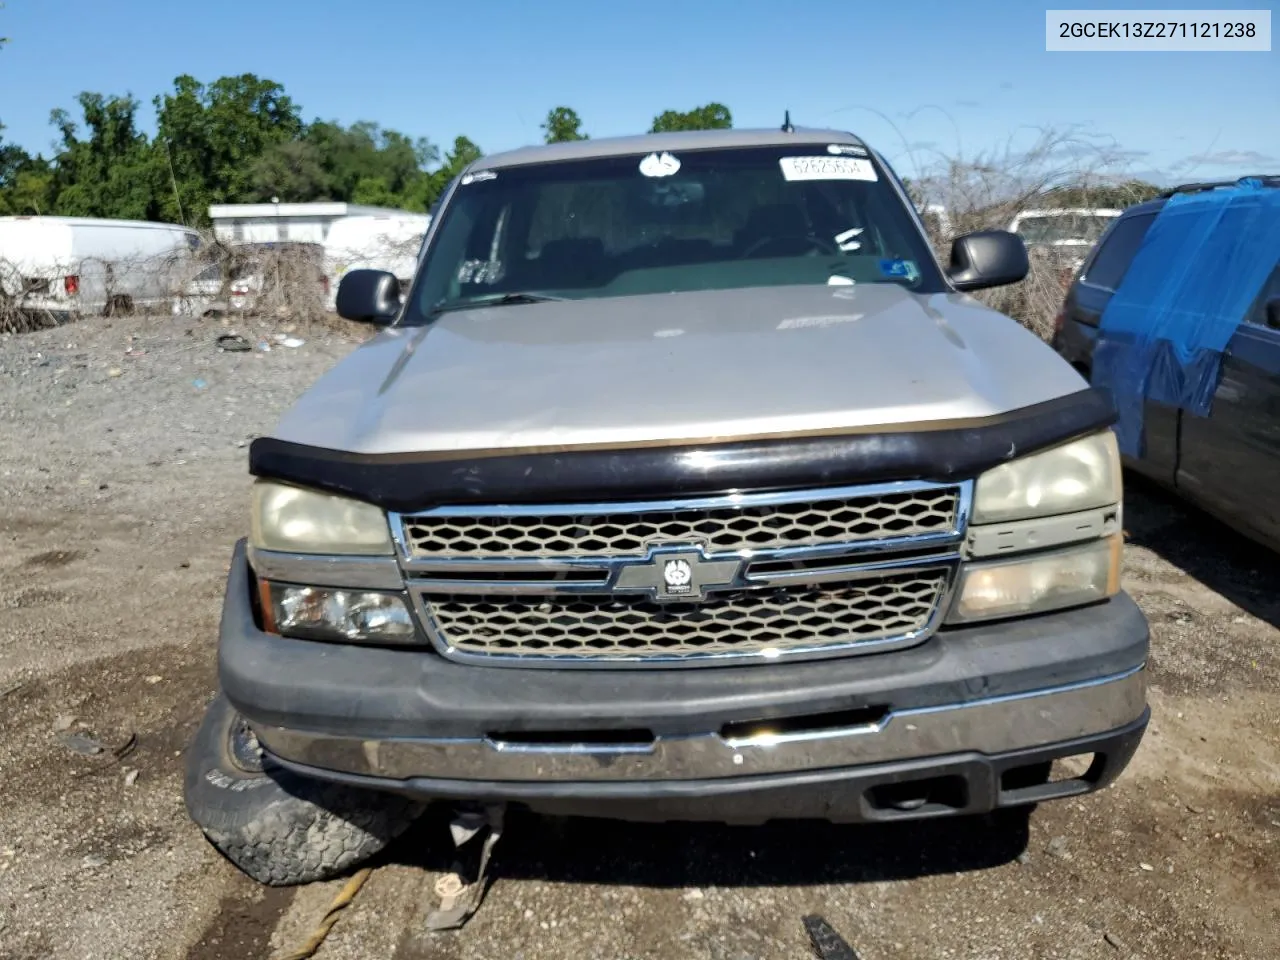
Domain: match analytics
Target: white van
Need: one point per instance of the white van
(1066, 227)
(374, 242)
(78, 266)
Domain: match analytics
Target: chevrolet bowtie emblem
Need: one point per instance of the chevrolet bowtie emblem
(676, 573)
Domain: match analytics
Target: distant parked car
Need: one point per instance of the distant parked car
(75, 266)
(258, 277)
(1077, 228)
(201, 294)
(1227, 462)
(1064, 236)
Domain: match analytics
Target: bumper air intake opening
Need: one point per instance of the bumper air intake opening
(813, 723)
(1052, 779)
(1080, 766)
(946, 794)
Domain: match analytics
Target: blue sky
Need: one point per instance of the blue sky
(917, 79)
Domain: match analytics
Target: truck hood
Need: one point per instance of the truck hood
(710, 365)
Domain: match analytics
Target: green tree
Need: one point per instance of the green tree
(365, 151)
(464, 152)
(237, 139)
(713, 116)
(375, 192)
(112, 171)
(562, 125)
(426, 189)
(214, 135)
(291, 171)
(25, 181)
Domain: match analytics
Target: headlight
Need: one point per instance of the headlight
(295, 520)
(1038, 583)
(324, 613)
(1080, 475)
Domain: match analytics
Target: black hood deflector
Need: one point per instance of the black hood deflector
(406, 482)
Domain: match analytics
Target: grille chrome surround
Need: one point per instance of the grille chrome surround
(723, 525)
(874, 578)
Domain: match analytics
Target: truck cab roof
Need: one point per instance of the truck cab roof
(659, 142)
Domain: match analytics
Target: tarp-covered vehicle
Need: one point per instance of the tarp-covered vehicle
(1177, 314)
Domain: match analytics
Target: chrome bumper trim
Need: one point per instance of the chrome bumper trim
(991, 726)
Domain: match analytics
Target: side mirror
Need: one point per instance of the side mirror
(988, 258)
(1273, 313)
(369, 296)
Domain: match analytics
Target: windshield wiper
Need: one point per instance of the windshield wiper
(496, 300)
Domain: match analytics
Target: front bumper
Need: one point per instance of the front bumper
(955, 714)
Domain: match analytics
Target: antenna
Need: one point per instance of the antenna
(174, 180)
(786, 124)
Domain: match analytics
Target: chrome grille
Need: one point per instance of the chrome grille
(614, 627)
(802, 573)
(733, 528)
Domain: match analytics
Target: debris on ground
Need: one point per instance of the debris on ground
(85, 746)
(233, 343)
(340, 902)
(827, 944)
(125, 748)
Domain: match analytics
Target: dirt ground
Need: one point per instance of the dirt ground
(122, 467)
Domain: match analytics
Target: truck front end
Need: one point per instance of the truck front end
(861, 651)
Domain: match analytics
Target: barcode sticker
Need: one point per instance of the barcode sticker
(827, 168)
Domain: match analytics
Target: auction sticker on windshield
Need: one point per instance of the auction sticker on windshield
(827, 168)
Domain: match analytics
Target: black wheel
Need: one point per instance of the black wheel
(279, 828)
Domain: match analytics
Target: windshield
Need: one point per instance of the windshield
(703, 220)
(1058, 228)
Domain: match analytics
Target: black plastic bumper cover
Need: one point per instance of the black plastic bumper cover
(349, 690)
(379, 693)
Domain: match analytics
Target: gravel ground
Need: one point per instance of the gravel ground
(123, 465)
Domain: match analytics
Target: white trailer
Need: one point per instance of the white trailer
(79, 266)
(373, 242)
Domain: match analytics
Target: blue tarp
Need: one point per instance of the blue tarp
(1199, 268)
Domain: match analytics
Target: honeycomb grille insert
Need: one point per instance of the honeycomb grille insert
(742, 622)
(730, 529)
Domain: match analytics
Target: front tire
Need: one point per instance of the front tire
(280, 828)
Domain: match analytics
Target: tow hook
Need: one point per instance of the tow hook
(459, 900)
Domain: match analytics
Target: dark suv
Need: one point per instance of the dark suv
(1225, 462)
